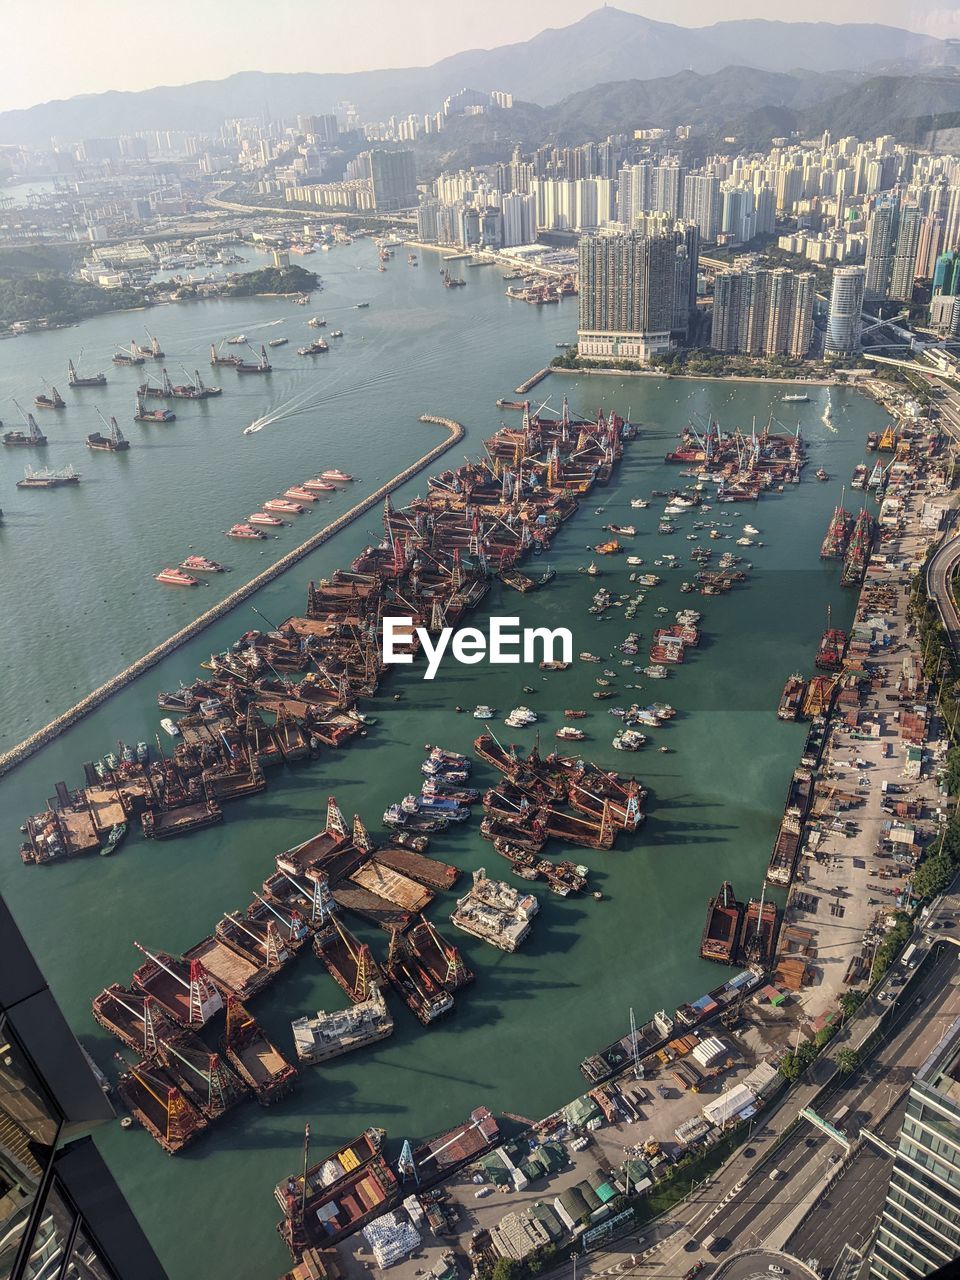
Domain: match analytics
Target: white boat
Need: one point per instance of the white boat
(748, 528)
(745, 542)
(796, 398)
(237, 340)
(588, 657)
(520, 717)
(656, 672)
(639, 504)
(169, 726)
(483, 712)
(628, 740)
(634, 559)
(570, 734)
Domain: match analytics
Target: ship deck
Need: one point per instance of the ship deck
(392, 885)
(229, 971)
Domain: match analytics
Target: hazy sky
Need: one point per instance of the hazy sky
(58, 48)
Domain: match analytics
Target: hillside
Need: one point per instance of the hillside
(605, 47)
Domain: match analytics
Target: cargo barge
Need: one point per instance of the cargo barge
(722, 929)
(255, 1059)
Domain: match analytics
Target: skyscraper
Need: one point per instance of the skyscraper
(919, 1229)
(393, 176)
(881, 242)
(843, 318)
(701, 203)
(634, 292)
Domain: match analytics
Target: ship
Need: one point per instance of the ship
(873, 440)
(838, 532)
(319, 485)
(438, 957)
(176, 578)
(722, 929)
(426, 999)
(334, 473)
(448, 1151)
(297, 493)
(52, 401)
(795, 398)
(113, 441)
(495, 912)
(791, 700)
(262, 365)
(195, 390)
(830, 650)
(329, 1035)
(262, 517)
(131, 357)
(244, 531)
(142, 414)
(32, 438)
(858, 551)
(758, 938)
(183, 991)
(316, 322)
(349, 962)
(238, 340)
(258, 1063)
(278, 342)
(200, 564)
(283, 504)
(888, 440)
(638, 1044)
(859, 480)
(75, 380)
(47, 478)
(453, 282)
(217, 359)
(341, 1194)
(315, 348)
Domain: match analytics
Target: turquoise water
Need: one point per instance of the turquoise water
(82, 602)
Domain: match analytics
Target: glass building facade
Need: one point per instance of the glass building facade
(919, 1229)
(62, 1215)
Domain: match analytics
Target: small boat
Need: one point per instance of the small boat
(238, 340)
(117, 833)
(316, 322)
(278, 342)
(575, 715)
(359, 306)
(176, 578)
(569, 734)
(336, 333)
(821, 474)
(483, 712)
(169, 726)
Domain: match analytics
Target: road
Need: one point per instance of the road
(940, 571)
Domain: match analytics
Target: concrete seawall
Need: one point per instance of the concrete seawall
(16, 755)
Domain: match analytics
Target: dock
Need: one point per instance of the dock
(532, 381)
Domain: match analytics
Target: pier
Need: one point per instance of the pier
(16, 755)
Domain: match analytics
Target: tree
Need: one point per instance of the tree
(933, 876)
(506, 1269)
(847, 1061)
(851, 1001)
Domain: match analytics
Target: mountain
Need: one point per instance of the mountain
(607, 46)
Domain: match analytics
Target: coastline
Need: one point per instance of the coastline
(23, 750)
(706, 377)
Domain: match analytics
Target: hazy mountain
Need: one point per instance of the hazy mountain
(606, 46)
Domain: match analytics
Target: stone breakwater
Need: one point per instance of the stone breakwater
(16, 755)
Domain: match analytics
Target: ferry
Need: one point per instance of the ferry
(285, 505)
(244, 531)
(319, 486)
(299, 494)
(200, 564)
(176, 578)
(334, 474)
(261, 517)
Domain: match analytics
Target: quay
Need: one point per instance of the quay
(16, 755)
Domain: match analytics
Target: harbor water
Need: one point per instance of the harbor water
(79, 602)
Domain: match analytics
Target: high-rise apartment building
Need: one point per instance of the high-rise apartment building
(919, 1229)
(701, 203)
(846, 306)
(904, 266)
(881, 244)
(393, 178)
(636, 292)
(758, 311)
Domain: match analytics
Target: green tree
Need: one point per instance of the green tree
(506, 1269)
(847, 1060)
(933, 876)
(851, 1001)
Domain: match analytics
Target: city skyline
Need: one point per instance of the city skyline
(90, 54)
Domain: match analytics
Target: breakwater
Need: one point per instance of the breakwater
(532, 381)
(23, 750)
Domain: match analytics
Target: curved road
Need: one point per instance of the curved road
(940, 570)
